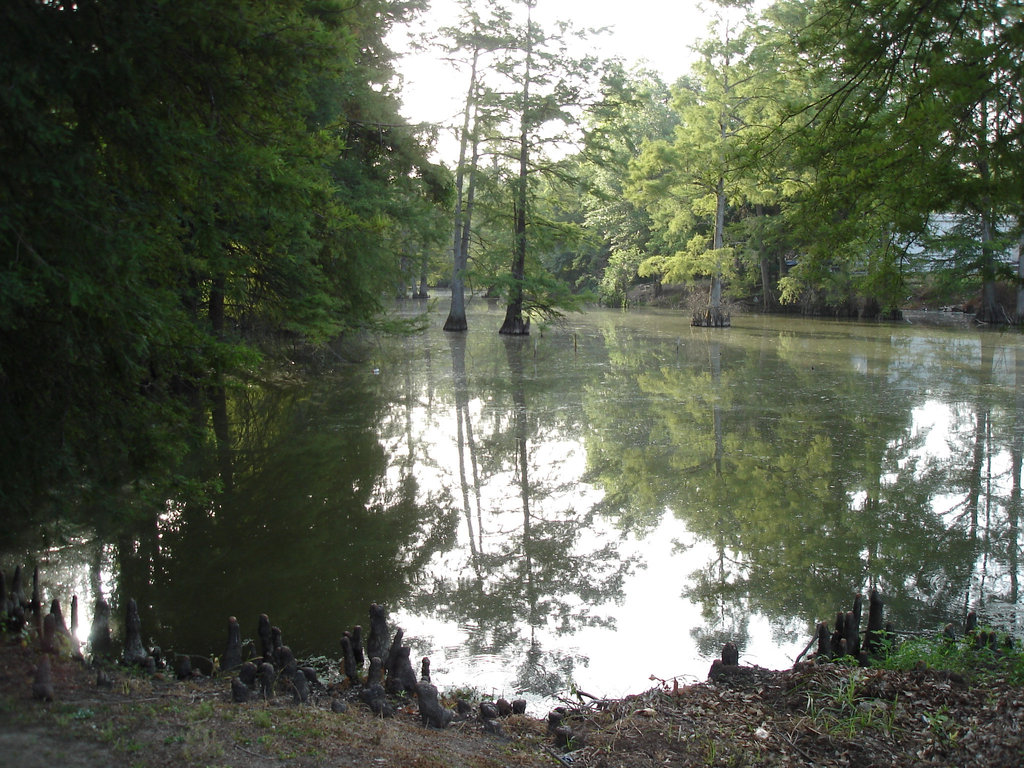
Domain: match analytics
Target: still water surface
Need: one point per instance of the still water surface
(609, 499)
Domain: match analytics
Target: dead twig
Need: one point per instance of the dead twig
(555, 755)
(240, 748)
(806, 649)
(803, 753)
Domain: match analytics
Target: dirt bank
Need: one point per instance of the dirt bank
(815, 715)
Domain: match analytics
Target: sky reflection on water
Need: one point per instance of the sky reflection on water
(607, 500)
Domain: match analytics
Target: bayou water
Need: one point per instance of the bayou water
(609, 499)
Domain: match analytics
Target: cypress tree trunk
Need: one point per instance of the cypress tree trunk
(989, 305)
(457, 313)
(421, 292)
(460, 241)
(514, 324)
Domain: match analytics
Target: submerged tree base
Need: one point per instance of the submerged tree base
(711, 318)
(456, 324)
(514, 325)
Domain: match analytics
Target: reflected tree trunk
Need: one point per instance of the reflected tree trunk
(409, 395)
(514, 351)
(411, 402)
(723, 608)
(715, 350)
(1019, 319)
(979, 480)
(1016, 462)
(977, 468)
(464, 440)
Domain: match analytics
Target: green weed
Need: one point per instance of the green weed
(202, 711)
(942, 726)
(262, 719)
(68, 715)
(711, 753)
(466, 693)
(844, 711)
(971, 656)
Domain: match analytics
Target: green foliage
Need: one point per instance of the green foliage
(543, 296)
(696, 182)
(809, 148)
(621, 272)
(172, 180)
(522, 109)
(847, 711)
(632, 109)
(973, 656)
(905, 118)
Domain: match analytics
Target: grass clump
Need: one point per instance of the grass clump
(261, 719)
(979, 655)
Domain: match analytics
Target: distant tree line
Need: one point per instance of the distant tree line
(797, 166)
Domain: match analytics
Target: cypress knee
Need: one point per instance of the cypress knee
(134, 652)
(357, 645)
(266, 641)
(233, 653)
(377, 643)
(852, 634)
(431, 711)
(839, 636)
(349, 660)
(99, 635)
(971, 624)
(873, 639)
(730, 654)
(824, 641)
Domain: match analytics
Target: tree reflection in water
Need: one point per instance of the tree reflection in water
(535, 575)
(517, 495)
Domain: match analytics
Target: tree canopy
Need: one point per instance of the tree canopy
(832, 157)
(174, 176)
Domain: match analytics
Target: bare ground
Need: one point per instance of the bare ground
(814, 715)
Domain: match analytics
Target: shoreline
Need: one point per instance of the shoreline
(816, 714)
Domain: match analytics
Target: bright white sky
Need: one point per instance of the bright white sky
(657, 32)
